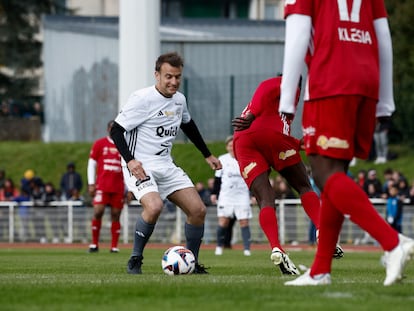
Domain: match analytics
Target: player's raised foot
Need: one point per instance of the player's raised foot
(134, 265)
(114, 250)
(396, 259)
(282, 260)
(307, 280)
(93, 248)
(200, 269)
(339, 252)
(218, 251)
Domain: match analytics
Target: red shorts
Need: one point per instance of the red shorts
(257, 152)
(115, 200)
(340, 127)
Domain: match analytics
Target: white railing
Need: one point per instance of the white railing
(69, 222)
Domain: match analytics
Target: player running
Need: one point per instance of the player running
(262, 141)
(144, 132)
(349, 57)
(106, 186)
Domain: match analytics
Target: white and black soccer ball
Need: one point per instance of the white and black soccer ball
(178, 260)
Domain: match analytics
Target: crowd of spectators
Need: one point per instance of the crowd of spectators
(25, 109)
(33, 188)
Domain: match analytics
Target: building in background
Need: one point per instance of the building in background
(224, 61)
(228, 47)
(231, 9)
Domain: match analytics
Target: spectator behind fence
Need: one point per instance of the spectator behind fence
(70, 180)
(8, 192)
(29, 181)
(388, 173)
(372, 179)
(394, 209)
(403, 189)
(361, 178)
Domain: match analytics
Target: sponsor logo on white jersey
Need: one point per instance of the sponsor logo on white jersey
(162, 132)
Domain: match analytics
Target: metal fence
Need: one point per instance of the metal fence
(69, 222)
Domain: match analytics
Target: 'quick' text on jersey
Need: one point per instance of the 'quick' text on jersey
(162, 132)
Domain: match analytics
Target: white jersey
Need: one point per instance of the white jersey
(152, 122)
(233, 190)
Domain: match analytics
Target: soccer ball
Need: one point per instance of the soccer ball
(178, 260)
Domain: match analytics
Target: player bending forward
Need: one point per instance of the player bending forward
(144, 132)
(262, 141)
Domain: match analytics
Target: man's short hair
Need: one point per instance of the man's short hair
(229, 139)
(171, 58)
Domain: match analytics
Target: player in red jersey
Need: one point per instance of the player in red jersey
(347, 47)
(258, 125)
(106, 186)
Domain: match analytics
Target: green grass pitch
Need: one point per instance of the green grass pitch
(71, 279)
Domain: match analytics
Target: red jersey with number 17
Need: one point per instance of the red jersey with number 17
(343, 55)
(109, 176)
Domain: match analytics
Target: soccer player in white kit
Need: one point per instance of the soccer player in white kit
(144, 132)
(233, 199)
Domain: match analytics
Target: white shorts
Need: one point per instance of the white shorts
(163, 180)
(230, 210)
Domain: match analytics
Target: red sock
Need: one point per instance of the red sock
(96, 229)
(268, 222)
(312, 206)
(348, 198)
(330, 225)
(115, 231)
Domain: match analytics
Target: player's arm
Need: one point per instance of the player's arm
(243, 122)
(190, 129)
(386, 105)
(91, 172)
(117, 135)
(297, 34)
(216, 190)
(134, 166)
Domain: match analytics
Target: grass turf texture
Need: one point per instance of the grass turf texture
(71, 279)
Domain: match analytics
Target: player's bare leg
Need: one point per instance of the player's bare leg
(265, 196)
(297, 177)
